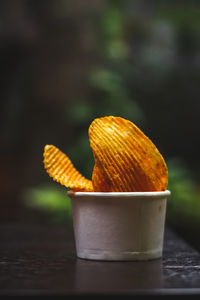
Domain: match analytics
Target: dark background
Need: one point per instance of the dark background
(64, 63)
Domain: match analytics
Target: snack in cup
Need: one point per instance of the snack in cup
(126, 160)
(120, 213)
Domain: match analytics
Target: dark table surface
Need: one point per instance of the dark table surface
(41, 260)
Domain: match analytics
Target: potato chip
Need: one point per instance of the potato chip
(59, 166)
(126, 160)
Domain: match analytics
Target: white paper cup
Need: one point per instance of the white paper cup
(119, 226)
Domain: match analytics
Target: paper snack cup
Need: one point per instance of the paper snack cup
(119, 226)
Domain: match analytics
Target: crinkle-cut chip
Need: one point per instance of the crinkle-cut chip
(126, 160)
(61, 169)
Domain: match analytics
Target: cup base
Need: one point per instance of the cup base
(119, 256)
(119, 226)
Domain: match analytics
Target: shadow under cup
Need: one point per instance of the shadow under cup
(119, 226)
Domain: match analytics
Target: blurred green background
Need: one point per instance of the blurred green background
(64, 63)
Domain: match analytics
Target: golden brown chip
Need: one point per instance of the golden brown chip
(59, 166)
(126, 160)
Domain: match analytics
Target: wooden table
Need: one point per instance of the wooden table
(41, 260)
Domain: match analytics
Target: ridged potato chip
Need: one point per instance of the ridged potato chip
(126, 160)
(61, 169)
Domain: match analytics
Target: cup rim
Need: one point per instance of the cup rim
(154, 194)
